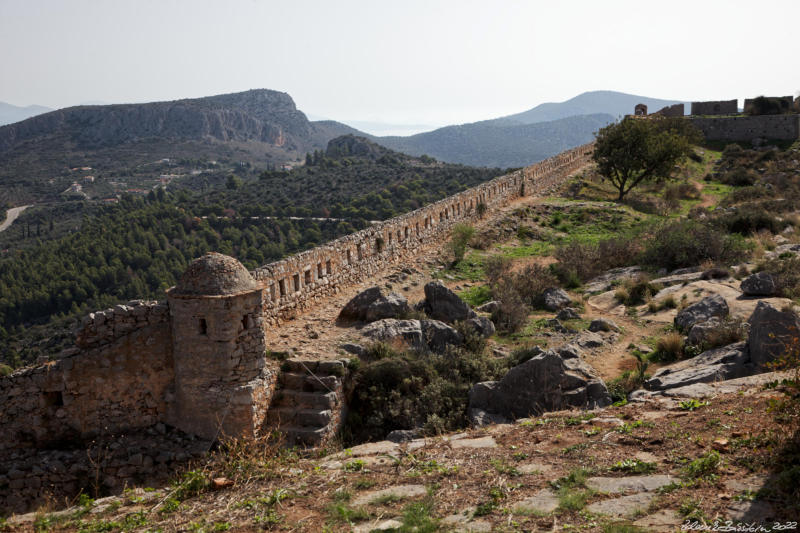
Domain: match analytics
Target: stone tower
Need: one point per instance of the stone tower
(223, 384)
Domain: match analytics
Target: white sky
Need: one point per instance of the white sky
(405, 62)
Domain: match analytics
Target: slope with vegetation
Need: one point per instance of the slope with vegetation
(77, 257)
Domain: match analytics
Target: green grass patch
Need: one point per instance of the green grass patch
(477, 295)
(470, 268)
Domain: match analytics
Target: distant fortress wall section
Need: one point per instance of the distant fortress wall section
(295, 283)
(746, 128)
(719, 107)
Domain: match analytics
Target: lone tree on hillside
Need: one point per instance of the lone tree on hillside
(637, 150)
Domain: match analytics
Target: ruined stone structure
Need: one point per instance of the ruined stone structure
(736, 127)
(721, 107)
(675, 110)
(747, 128)
(199, 361)
(640, 110)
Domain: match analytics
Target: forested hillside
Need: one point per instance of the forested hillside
(105, 254)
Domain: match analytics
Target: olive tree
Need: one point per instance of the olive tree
(635, 150)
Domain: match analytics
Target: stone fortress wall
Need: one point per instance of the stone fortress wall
(721, 120)
(297, 282)
(198, 361)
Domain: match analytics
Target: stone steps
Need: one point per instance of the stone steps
(307, 407)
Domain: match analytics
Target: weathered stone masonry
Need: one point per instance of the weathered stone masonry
(198, 362)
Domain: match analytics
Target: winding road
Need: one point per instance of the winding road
(11, 216)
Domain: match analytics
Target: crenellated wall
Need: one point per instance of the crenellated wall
(297, 282)
(198, 361)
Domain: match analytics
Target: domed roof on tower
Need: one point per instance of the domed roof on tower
(214, 274)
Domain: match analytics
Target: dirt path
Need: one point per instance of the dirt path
(11, 216)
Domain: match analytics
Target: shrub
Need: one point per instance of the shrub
(579, 262)
(747, 220)
(669, 347)
(512, 313)
(461, 235)
(786, 274)
(686, 243)
(531, 282)
(636, 291)
(739, 177)
(408, 390)
(496, 267)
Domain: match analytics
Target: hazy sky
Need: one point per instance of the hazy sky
(411, 61)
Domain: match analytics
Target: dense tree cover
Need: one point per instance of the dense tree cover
(63, 260)
(636, 150)
(345, 187)
(137, 249)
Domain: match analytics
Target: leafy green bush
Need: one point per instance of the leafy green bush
(579, 262)
(405, 390)
(685, 243)
(747, 220)
(461, 235)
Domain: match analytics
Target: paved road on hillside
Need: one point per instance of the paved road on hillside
(11, 216)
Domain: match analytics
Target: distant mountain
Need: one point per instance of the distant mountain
(11, 113)
(494, 143)
(260, 127)
(608, 102)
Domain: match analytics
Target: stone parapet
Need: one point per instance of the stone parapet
(104, 327)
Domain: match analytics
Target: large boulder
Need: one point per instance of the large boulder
(392, 305)
(443, 304)
(603, 324)
(393, 330)
(371, 305)
(546, 382)
(701, 331)
(758, 284)
(419, 335)
(773, 334)
(439, 335)
(719, 364)
(488, 307)
(706, 309)
(482, 325)
(555, 299)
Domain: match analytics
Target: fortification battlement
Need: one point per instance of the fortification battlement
(198, 361)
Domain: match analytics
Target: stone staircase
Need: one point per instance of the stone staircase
(308, 406)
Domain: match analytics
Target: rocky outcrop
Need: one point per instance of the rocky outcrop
(546, 382)
(603, 324)
(719, 364)
(259, 115)
(568, 313)
(371, 305)
(758, 284)
(443, 304)
(438, 335)
(707, 308)
(555, 299)
(418, 335)
(773, 334)
(700, 332)
(482, 325)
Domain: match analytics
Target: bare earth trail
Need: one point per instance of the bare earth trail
(315, 334)
(11, 216)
